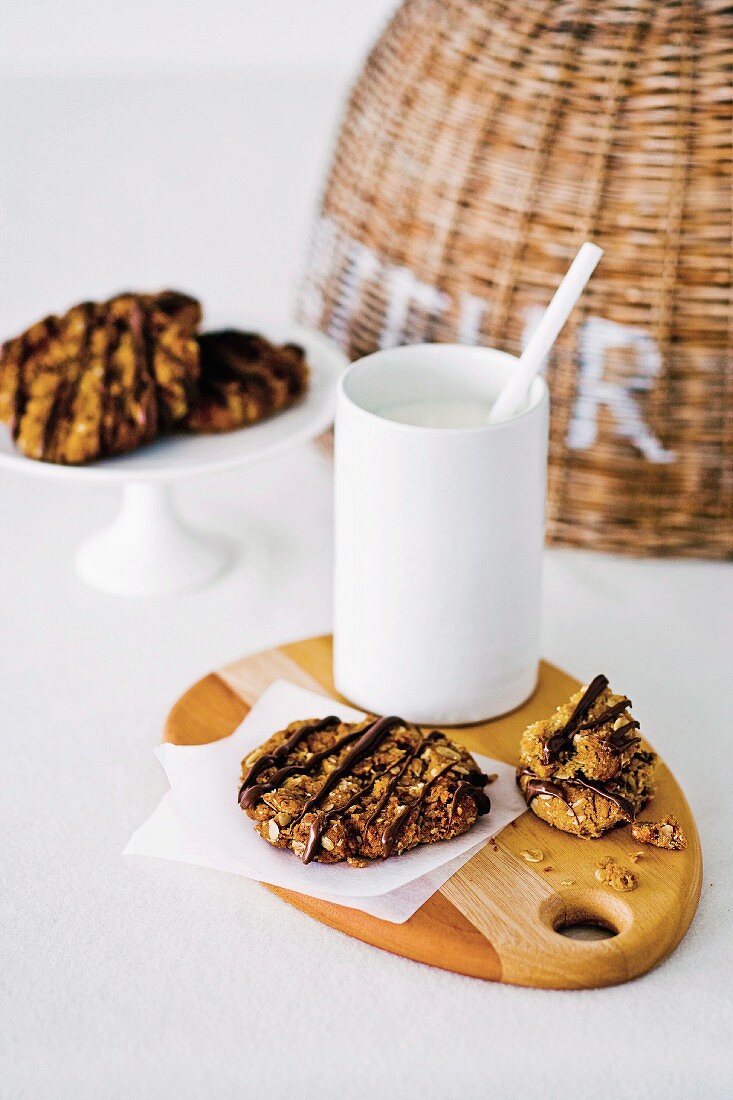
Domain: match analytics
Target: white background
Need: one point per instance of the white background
(148, 143)
(45, 37)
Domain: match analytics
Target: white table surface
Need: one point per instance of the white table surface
(140, 978)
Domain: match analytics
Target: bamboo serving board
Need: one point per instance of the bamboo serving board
(497, 917)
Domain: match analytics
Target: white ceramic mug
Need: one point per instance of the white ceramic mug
(439, 537)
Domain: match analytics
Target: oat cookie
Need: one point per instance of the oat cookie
(102, 379)
(332, 790)
(583, 770)
(245, 378)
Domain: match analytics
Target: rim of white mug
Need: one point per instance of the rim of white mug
(539, 393)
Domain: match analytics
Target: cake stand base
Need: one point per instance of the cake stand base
(147, 550)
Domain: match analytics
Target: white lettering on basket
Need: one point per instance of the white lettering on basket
(404, 288)
(597, 336)
(362, 266)
(471, 309)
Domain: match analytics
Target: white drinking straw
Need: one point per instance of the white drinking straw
(514, 393)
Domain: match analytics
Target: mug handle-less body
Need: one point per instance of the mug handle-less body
(439, 537)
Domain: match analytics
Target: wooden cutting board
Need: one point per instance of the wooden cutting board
(497, 917)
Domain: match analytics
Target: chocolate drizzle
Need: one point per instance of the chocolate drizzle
(368, 739)
(535, 785)
(409, 757)
(623, 804)
(68, 384)
(249, 793)
(606, 715)
(560, 741)
(616, 740)
(389, 833)
(363, 740)
(478, 794)
(321, 820)
(19, 351)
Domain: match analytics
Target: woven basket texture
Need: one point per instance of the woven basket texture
(482, 143)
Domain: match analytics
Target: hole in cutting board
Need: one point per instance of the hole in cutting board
(586, 930)
(586, 914)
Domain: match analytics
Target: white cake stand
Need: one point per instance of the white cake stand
(146, 549)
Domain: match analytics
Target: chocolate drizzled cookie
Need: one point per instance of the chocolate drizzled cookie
(244, 378)
(332, 790)
(101, 379)
(583, 769)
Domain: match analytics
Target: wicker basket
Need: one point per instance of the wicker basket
(483, 142)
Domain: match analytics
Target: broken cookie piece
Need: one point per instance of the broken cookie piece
(333, 791)
(666, 833)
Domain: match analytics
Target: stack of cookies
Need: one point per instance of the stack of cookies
(106, 377)
(584, 769)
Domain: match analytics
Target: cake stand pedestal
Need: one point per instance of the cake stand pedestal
(147, 549)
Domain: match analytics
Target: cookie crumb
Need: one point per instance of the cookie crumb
(617, 876)
(637, 856)
(666, 833)
(548, 868)
(567, 882)
(532, 855)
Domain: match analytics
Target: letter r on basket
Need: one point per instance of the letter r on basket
(597, 336)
